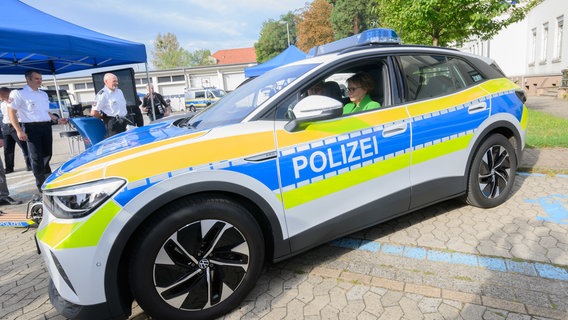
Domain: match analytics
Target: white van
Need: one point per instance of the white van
(202, 97)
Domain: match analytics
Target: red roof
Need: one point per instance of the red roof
(234, 56)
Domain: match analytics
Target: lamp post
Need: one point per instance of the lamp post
(287, 30)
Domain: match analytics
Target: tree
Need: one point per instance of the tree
(274, 37)
(445, 22)
(350, 17)
(168, 54)
(314, 27)
(201, 57)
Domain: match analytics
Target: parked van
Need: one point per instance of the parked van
(202, 97)
(67, 102)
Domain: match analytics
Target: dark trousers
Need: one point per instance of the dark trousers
(40, 149)
(136, 114)
(114, 125)
(10, 141)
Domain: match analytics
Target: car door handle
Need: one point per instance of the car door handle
(478, 107)
(262, 157)
(395, 129)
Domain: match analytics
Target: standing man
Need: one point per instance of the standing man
(161, 107)
(31, 106)
(10, 135)
(5, 198)
(110, 106)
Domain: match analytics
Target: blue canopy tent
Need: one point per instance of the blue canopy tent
(291, 54)
(32, 39)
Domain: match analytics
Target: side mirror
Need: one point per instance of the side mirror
(314, 108)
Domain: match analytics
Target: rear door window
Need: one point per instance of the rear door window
(430, 76)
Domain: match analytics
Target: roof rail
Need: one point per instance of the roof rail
(371, 36)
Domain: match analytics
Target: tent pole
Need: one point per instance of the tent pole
(152, 86)
(59, 102)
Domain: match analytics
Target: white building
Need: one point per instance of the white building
(171, 83)
(533, 52)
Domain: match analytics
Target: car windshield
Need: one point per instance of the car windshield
(218, 93)
(237, 105)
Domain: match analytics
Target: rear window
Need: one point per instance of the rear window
(429, 76)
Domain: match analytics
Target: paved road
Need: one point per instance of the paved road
(446, 261)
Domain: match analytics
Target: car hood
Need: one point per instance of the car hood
(141, 141)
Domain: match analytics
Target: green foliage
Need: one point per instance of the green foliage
(274, 37)
(201, 57)
(350, 17)
(444, 22)
(168, 54)
(314, 27)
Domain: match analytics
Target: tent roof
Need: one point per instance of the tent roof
(291, 54)
(32, 39)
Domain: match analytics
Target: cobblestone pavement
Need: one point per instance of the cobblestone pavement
(446, 261)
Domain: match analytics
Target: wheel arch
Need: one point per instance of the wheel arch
(503, 127)
(116, 286)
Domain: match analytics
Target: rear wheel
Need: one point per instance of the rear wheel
(492, 173)
(197, 260)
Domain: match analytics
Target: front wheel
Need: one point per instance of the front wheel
(492, 173)
(197, 260)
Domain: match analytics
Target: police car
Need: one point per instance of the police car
(181, 216)
(202, 97)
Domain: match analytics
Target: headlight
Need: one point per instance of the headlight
(80, 200)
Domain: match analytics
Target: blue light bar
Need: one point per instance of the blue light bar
(372, 36)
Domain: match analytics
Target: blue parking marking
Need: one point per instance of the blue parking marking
(415, 253)
(370, 246)
(534, 269)
(493, 264)
(551, 272)
(555, 207)
(392, 249)
(465, 259)
(439, 256)
(17, 224)
(521, 267)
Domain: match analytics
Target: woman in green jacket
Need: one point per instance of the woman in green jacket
(359, 85)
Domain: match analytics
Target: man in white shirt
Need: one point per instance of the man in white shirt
(30, 116)
(4, 192)
(11, 136)
(110, 106)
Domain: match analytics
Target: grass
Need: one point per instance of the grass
(546, 131)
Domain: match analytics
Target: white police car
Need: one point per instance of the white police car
(182, 215)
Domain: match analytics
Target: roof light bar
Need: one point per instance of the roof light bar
(372, 36)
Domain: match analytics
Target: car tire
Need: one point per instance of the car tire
(198, 259)
(492, 172)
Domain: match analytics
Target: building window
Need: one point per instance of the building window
(164, 79)
(532, 53)
(79, 86)
(544, 47)
(61, 87)
(142, 81)
(558, 40)
(178, 78)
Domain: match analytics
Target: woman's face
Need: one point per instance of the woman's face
(356, 93)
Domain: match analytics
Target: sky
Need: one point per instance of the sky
(197, 24)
